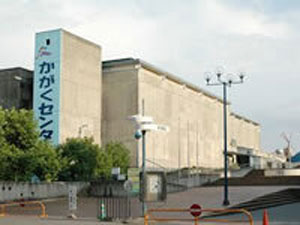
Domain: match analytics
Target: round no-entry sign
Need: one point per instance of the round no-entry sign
(195, 210)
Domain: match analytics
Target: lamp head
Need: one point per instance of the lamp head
(207, 80)
(242, 76)
(219, 71)
(207, 77)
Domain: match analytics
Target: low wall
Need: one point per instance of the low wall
(238, 173)
(190, 181)
(10, 191)
(282, 172)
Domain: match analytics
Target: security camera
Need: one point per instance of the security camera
(138, 134)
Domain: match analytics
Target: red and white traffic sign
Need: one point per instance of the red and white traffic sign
(195, 210)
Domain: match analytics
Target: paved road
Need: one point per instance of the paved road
(57, 221)
(208, 197)
(283, 215)
(288, 213)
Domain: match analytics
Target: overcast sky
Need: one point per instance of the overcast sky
(186, 38)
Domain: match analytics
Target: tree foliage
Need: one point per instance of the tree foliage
(84, 161)
(114, 154)
(80, 159)
(22, 153)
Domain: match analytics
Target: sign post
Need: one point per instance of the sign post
(72, 201)
(144, 124)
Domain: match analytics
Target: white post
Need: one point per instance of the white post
(72, 201)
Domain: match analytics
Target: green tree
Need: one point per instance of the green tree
(80, 159)
(20, 129)
(22, 153)
(2, 123)
(47, 163)
(114, 154)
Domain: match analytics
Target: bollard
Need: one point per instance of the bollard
(102, 211)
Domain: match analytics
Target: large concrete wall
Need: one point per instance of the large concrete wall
(246, 133)
(119, 99)
(81, 88)
(194, 119)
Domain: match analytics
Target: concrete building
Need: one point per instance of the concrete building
(193, 115)
(16, 88)
(75, 96)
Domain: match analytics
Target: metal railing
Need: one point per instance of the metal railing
(114, 208)
(24, 206)
(150, 218)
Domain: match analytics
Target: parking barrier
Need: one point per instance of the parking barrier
(39, 205)
(149, 216)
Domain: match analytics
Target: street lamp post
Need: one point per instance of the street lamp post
(144, 205)
(225, 83)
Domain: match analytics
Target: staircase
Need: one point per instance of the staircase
(287, 196)
(256, 177)
(284, 197)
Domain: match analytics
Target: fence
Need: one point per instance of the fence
(118, 208)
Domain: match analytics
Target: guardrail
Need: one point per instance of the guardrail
(37, 204)
(149, 217)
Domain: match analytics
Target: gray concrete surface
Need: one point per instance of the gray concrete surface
(193, 116)
(286, 214)
(208, 197)
(212, 197)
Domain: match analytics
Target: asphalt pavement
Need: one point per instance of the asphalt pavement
(207, 197)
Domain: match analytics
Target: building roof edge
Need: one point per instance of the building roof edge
(148, 66)
(244, 118)
(16, 68)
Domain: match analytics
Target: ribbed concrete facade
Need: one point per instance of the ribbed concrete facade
(244, 132)
(119, 100)
(193, 116)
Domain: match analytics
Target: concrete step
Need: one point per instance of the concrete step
(247, 181)
(287, 196)
(256, 177)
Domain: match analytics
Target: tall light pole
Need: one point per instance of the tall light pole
(221, 81)
(144, 205)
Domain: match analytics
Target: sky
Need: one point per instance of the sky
(187, 38)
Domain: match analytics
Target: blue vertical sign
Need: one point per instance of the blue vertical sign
(47, 83)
